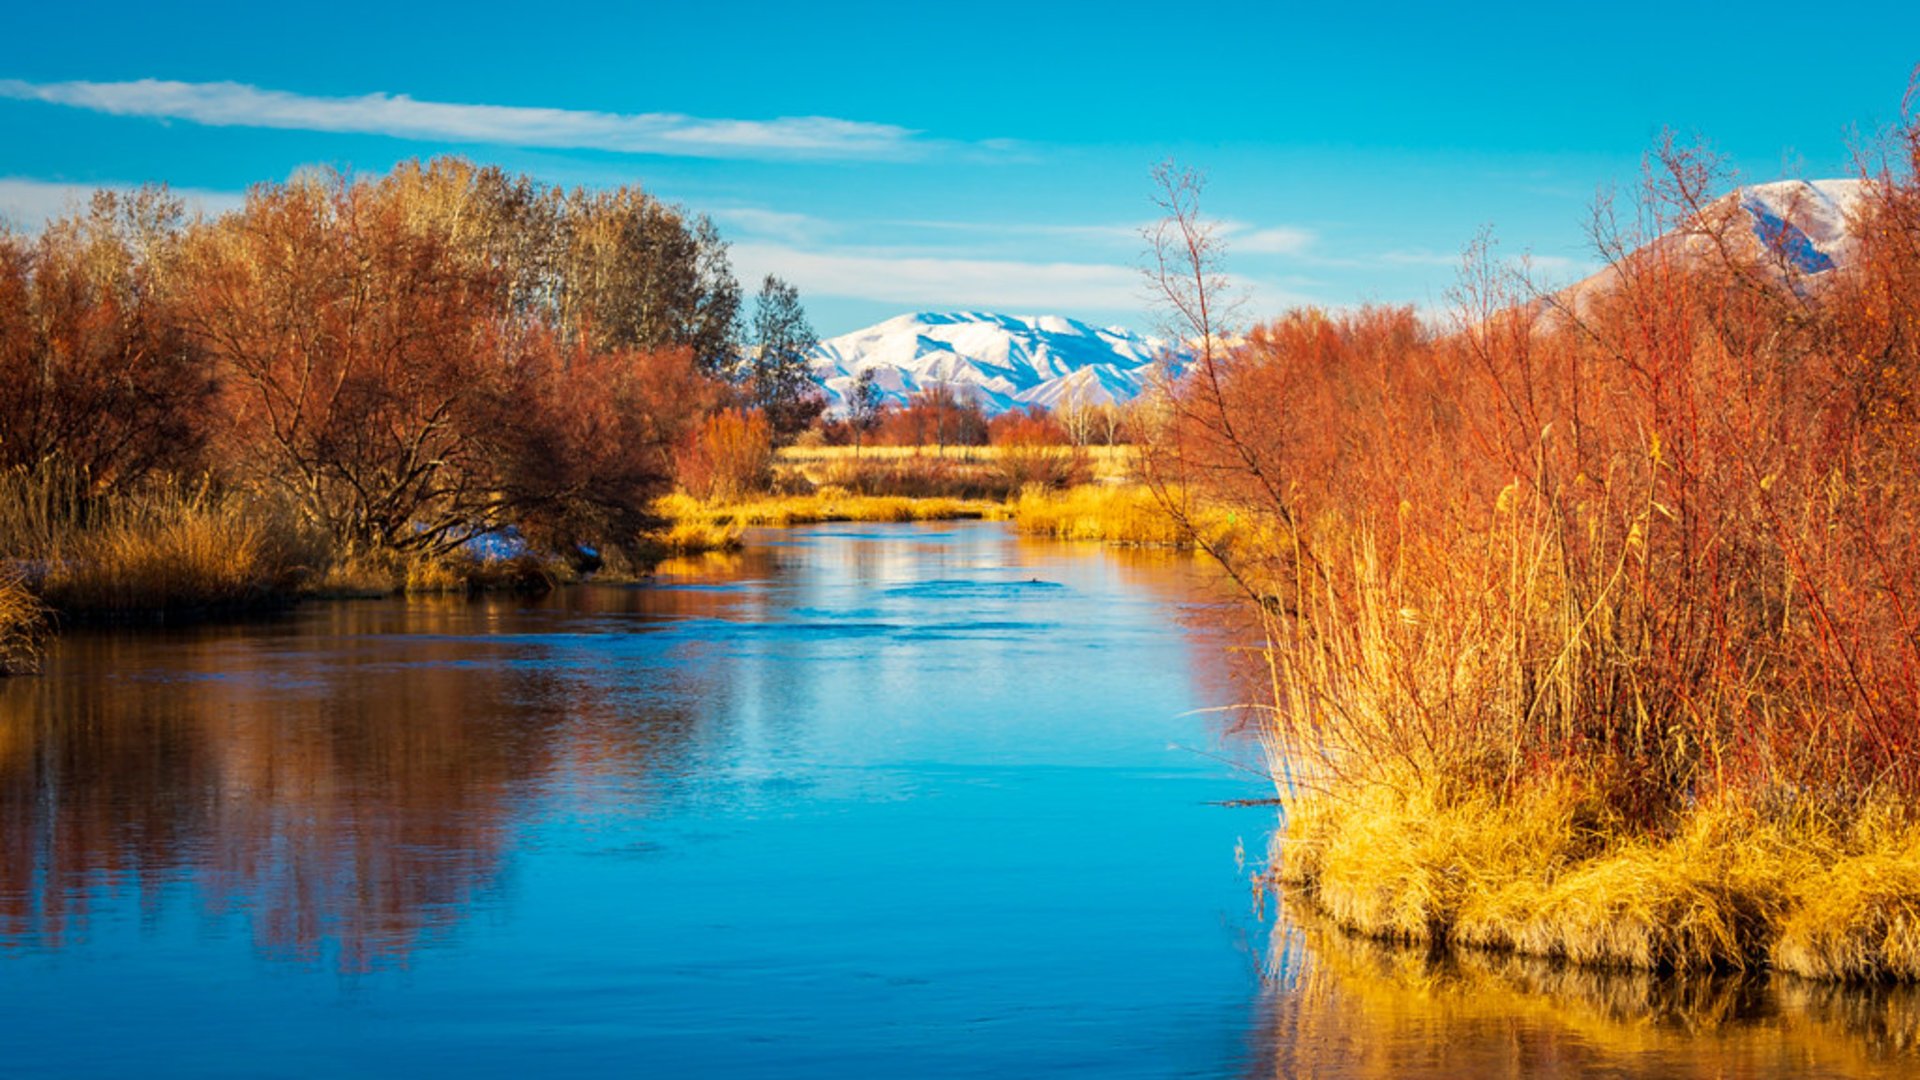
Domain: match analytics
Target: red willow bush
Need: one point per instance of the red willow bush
(1658, 536)
(729, 456)
(101, 377)
(404, 360)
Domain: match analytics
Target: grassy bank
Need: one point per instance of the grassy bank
(717, 524)
(1126, 514)
(1553, 873)
(174, 551)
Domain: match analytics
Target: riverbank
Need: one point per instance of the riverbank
(1556, 873)
(177, 555)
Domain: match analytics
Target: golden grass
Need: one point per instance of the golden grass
(826, 504)
(22, 625)
(1125, 514)
(692, 535)
(174, 551)
(370, 574)
(1113, 462)
(1550, 872)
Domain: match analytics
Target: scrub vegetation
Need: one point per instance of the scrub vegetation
(1594, 617)
(444, 377)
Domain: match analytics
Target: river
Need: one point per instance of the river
(916, 800)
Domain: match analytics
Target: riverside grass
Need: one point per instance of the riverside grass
(178, 550)
(694, 520)
(22, 625)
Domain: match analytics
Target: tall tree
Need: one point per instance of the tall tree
(779, 380)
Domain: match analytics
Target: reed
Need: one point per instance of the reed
(824, 505)
(22, 625)
(1127, 514)
(173, 549)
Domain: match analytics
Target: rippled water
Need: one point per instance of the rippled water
(896, 801)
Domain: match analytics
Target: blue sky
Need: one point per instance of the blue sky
(896, 157)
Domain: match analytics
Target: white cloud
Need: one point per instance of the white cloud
(1280, 240)
(26, 203)
(1130, 234)
(229, 104)
(926, 281)
(779, 225)
(940, 283)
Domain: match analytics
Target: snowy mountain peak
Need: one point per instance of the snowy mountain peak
(1003, 361)
(1805, 227)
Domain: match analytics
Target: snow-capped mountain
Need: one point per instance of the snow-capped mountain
(1803, 226)
(1003, 361)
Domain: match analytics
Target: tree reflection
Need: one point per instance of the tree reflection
(352, 790)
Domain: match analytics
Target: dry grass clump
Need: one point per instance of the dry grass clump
(171, 551)
(692, 535)
(1552, 874)
(825, 504)
(377, 572)
(22, 625)
(1858, 917)
(1118, 514)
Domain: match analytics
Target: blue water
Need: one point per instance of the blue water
(889, 801)
(914, 801)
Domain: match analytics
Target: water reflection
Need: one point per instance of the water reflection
(353, 780)
(856, 801)
(1343, 1006)
(331, 800)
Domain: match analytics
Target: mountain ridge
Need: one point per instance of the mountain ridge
(1002, 361)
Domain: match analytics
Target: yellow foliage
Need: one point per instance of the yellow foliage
(826, 504)
(1552, 872)
(22, 622)
(170, 552)
(1119, 514)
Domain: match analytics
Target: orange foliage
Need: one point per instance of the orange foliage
(1031, 426)
(1667, 531)
(98, 371)
(730, 456)
(935, 416)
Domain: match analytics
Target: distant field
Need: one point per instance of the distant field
(1111, 464)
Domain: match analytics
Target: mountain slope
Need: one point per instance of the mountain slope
(1004, 361)
(1802, 228)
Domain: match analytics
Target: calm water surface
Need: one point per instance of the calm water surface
(894, 801)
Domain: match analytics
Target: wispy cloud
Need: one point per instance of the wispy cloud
(1130, 234)
(1011, 285)
(230, 104)
(781, 225)
(26, 203)
(1280, 240)
(920, 280)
